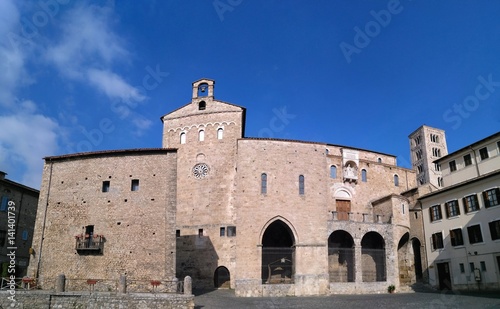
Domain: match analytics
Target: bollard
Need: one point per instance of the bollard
(60, 283)
(122, 284)
(188, 285)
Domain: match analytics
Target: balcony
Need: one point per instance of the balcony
(89, 244)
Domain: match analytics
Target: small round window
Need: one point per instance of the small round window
(200, 170)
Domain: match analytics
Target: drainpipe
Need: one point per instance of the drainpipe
(44, 223)
(475, 161)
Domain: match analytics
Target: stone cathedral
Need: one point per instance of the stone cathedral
(266, 217)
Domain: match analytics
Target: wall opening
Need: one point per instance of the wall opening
(341, 257)
(373, 257)
(222, 278)
(278, 254)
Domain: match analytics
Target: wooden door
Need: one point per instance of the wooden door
(343, 209)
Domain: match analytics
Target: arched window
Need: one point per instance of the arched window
(396, 180)
(301, 184)
(203, 90)
(183, 137)
(202, 105)
(333, 171)
(379, 160)
(220, 133)
(363, 175)
(201, 135)
(263, 183)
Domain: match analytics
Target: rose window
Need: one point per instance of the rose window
(200, 170)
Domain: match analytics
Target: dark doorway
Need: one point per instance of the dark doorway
(444, 276)
(222, 278)
(341, 257)
(278, 254)
(373, 257)
(418, 258)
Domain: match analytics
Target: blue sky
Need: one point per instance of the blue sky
(96, 75)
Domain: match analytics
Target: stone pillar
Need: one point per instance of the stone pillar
(358, 263)
(122, 284)
(60, 283)
(188, 285)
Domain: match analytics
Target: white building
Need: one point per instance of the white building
(462, 219)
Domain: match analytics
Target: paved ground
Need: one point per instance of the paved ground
(225, 299)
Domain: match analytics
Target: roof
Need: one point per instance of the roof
(16, 184)
(482, 141)
(461, 184)
(110, 153)
(187, 104)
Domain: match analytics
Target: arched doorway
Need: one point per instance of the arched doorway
(373, 257)
(278, 254)
(417, 256)
(222, 278)
(341, 257)
(405, 261)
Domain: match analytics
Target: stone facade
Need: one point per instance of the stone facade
(25, 201)
(266, 217)
(92, 223)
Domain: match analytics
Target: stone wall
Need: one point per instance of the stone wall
(137, 226)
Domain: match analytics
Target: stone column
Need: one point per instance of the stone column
(358, 263)
(60, 283)
(122, 284)
(188, 285)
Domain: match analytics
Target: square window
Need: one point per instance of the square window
(456, 237)
(231, 231)
(470, 203)
(452, 209)
(475, 235)
(462, 268)
(5, 202)
(105, 186)
(177, 233)
(483, 265)
(435, 212)
(471, 266)
(135, 185)
(437, 241)
(200, 232)
(495, 229)
(483, 153)
(467, 160)
(453, 166)
(222, 231)
(491, 197)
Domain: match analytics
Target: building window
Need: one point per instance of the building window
(5, 202)
(456, 237)
(437, 241)
(231, 231)
(183, 138)
(263, 183)
(25, 235)
(483, 265)
(177, 233)
(453, 166)
(462, 268)
(470, 203)
(396, 180)
(452, 209)
(200, 232)
(436, 213)
(483, 153)
(201, 135)
(418, 153)
(135, 185)
(474, 233)
(202, 105)
(417, 140)
(220, 133)
(491, 197)
(222, 231)
(471, 267)
(437, 167)
(495, 229)
(333, 171)
(420, 169)
(105, 186)
(301, 184)
(363, 175)
(436, 152)
(379, 160)
(467, 159)
(434, 138)
(440, 181)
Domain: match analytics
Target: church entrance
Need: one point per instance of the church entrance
(278, 254)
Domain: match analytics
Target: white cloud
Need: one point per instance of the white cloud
(26, 137)
(114, 86)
